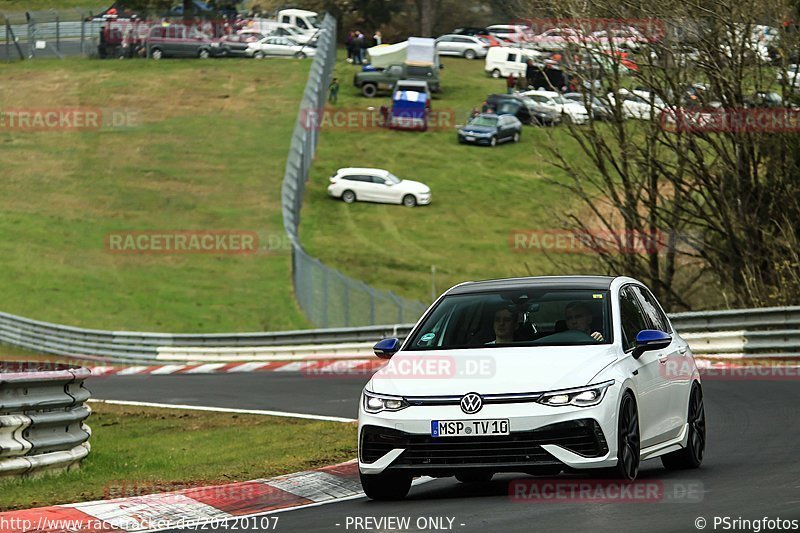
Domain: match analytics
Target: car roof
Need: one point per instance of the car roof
(538, 282)
(542, 93)
(363, 170)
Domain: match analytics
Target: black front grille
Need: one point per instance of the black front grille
(584, 437)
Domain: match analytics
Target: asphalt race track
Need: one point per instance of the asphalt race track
(750, 471)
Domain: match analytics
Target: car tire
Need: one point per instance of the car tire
(409, 200)
(474, 477)
(369, 90)
(516, 137)
(496, 73)
(259, 55)
(493, 141)
(203, 53)
(386, 486)
(348, 197)
(692, 455)
(628, 443)
(469, 54)
(156, 53)
(299, 55)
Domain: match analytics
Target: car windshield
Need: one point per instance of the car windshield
(392, 178)
(521, 317)
(312, 19)
(484, 121)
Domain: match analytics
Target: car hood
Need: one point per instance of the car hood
(412, 186)
(491, 370)
(478, 129)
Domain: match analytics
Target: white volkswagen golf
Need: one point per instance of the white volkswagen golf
(535, 375)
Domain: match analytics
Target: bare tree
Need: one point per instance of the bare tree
(688, 192)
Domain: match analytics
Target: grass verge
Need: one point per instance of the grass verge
(155, 450)
(205, 150)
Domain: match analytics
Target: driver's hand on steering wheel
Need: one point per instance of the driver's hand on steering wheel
(597, 336)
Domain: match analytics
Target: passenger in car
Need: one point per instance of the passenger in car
(578, 317)
(506, 323)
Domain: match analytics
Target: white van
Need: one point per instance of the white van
(503, 60)
(308, 21)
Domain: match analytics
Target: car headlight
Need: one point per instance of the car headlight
(375, 403)
(579, 397)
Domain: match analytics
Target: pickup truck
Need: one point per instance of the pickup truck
(372, 81)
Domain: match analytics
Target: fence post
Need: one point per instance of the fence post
(346, 302)
(58, 32)
(324, 297)
(83, 34)
(31, 30)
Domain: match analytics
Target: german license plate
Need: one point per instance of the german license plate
(469, 428)
(470, 138)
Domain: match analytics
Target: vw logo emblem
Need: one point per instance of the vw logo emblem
(471, 403)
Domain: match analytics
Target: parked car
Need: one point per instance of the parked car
(373, 81)
(377, 185)
(238, 43)
(279, 47)
(470, 30)
(792, 77)
(512, 32)
(177, 40)
(462, 46)
(409, 110)
(558, 39)
(293, 32)
(636, 104)
(626, 37)
(574, 376)
(599, 110)
(502, 61)
(526, 110)
(415, 85)
(491, 129)
(570, 110)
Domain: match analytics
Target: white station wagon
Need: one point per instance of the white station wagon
(377, 185)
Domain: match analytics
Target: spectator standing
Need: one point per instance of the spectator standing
(511, 82)
(349, 42)
(359, 43)
(378, 38)
(333, 91)
(530, 73)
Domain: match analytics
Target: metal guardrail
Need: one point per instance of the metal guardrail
(42, 414)
(752, 331)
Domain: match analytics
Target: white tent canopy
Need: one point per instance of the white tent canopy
(389, 54)
(417, 50)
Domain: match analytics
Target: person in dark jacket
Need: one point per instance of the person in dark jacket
(530, 73)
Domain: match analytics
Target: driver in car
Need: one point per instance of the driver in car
(578, 316)
(505, 325)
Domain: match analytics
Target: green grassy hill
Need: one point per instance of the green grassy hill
(207, 152)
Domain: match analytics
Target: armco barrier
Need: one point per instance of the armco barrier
(42, 414)
(766, 331)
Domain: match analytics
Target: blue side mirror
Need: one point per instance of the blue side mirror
(650, 339)
(386, 348)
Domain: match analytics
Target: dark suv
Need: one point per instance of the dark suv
(177, 40)
(525, 109)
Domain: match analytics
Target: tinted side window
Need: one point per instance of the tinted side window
(512, 57)
(633, 321)
(652, 310)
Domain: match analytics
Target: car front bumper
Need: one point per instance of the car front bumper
(542, 438)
